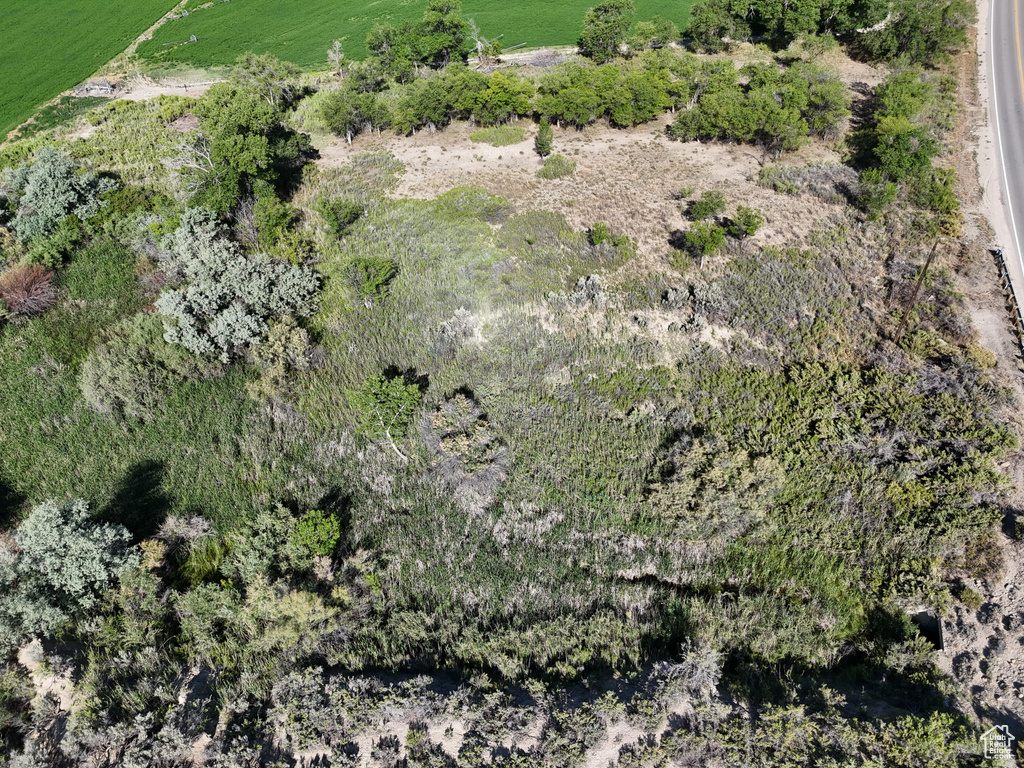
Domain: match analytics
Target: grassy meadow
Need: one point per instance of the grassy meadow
(302, 32)
(47, 47)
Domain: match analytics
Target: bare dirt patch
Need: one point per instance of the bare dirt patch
(142, 88)
(627, 179)
(56, 685)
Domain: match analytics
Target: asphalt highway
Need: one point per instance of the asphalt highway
(1006, 51)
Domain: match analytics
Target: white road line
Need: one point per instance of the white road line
(995, 119)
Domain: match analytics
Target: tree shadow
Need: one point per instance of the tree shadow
(409, 376)
(677, 239)
(10, 505)
(139, 502)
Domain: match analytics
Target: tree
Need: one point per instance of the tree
(336, 57)
(54, 567)
(572, 93)
(712, 23)
(653, 34)
(241, 143)
(347, 110)
(922, 30)
(746, 222)
(605, 28)
(827, 101)
(705, 238)
(487, 51)
(384, 408)
(441, 34)
(505, 98)
(393, 46)
(544, 143)
(638, 96)
(275, 79)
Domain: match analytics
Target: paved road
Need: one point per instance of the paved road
(1006, 49)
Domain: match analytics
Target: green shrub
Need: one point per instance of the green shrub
(286, 351)
(384, 408)
(370, 276)
(317, 532)
(981, 356)
(969, 597)
(16, 693)
(50, 250)
(557, 166)
(708, 205)
(63, 112)
(273, 218)
(745, 223)
(714, 495)
(339, 214)
(875, 193)
(705, 238)
(203, 559)
(499, 136)
(600, 233)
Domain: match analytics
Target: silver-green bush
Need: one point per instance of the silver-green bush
(51, 188)
(59, 563)
(228, 296)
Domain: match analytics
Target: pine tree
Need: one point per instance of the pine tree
(545, 137)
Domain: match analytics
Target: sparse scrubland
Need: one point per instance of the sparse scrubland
(296, 468)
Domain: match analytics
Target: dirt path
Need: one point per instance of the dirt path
(142, 88)
(148, 34)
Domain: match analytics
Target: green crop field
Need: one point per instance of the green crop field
(47, 46)
(302, 32)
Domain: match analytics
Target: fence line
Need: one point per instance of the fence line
(1012, 304)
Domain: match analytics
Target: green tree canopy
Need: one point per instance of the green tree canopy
(921, 30)
(605, 28)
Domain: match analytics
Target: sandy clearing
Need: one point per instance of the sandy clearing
(142, 88)
(624, 178)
